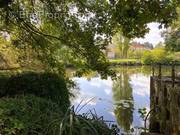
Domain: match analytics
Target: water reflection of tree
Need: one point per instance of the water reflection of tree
(122, 94)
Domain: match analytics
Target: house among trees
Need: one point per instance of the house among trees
(135, 46)
(110, 51)
(113, 51)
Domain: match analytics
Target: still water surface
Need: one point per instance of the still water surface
(118, 100)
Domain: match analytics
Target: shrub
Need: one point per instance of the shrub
(157, 56)
(177, 57)
(147, 57)
(46, 85)
(29, 115)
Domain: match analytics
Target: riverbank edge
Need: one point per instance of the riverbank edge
(136, 62)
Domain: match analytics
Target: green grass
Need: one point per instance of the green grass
(125, 61)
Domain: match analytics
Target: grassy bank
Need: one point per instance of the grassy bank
(139, 62)
(128, 62)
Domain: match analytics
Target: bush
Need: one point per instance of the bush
(147, 57)
(29, 115)
(46, 85)
(177, 57)
(157, 56)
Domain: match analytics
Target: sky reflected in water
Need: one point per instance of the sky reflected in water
(117, 100)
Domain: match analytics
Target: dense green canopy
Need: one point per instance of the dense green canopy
(172, 36)
(82, 27)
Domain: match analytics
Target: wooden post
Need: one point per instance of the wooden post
(173, 74)
(153, 72)
(159, 76)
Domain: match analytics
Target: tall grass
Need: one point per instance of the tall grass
(88, 123)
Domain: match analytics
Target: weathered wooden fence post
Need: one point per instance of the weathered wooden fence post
(160, 74)
(153, 72)
(173, 74)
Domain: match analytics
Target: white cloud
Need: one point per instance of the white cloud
(108, 91)
(98, 82)
(140, 84)
(86, 100)
(154, 35)
(95, 83)
(112, 113)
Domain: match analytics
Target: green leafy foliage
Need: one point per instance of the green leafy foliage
(147, 57)
(8, 55)
(29, 115)
(157, 56)
(173, 41)
(84, 27)
(172, 36)
(142, 112)
(134, 15)
(122, 43)
(46, 85)
(135, 54)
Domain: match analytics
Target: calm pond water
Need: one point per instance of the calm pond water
(118, 100)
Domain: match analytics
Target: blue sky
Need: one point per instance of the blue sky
(154, 35)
